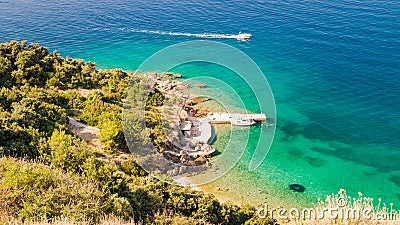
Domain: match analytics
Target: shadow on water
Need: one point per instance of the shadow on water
(214, 140)
(214, 136)
(395, 179)
(314, 161)
(362, 153)
(311, 130)
(290, 129)
(296, 152)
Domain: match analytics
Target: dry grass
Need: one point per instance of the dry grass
(160, 218)
(67, 221)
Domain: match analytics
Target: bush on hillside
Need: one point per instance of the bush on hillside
(35, 191)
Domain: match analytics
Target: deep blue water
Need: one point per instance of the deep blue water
(333, 66)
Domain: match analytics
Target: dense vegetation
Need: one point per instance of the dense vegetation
(47, 172)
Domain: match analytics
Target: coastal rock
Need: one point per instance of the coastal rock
(182, 169)
(197, 99)
(200, 160)
(201, 113)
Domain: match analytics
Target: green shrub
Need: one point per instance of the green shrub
(131, 168)
(92, 111)
(121, 207)
(35, 191)
(111, 132)
(68, 153)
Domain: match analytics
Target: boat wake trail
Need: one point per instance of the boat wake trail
(240, 36)
(203, 35)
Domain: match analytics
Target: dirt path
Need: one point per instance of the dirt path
(91, 136)
(87, 133)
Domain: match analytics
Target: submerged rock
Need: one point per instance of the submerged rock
(297, 187)
(201, 85)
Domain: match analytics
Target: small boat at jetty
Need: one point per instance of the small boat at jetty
(236, 119)
(243, 122)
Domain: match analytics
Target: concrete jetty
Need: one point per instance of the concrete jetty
(236, 119)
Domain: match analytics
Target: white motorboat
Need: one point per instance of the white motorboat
(243, 36)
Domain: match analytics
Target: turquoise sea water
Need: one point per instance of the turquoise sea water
(333, 66)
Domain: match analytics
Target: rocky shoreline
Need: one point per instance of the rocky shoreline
(190, 129)
(188, 142)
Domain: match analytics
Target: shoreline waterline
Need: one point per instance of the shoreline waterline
(236, 186)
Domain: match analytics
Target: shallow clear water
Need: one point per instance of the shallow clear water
(333, 66)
